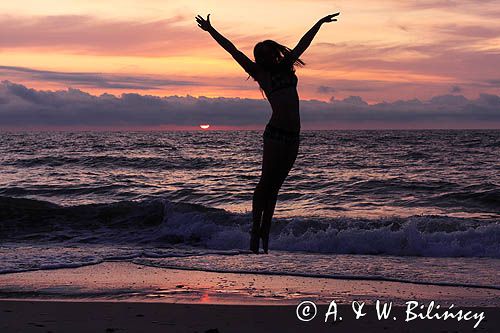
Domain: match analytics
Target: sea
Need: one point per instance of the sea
(419, 206)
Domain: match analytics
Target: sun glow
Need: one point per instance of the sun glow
(204, 126)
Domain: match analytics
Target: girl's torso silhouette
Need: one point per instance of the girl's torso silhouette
(280, 87)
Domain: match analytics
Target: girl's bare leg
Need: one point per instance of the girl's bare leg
(283, 158)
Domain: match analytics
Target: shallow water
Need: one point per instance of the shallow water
(417, 206)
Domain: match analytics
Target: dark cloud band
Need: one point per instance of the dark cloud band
(23, 107)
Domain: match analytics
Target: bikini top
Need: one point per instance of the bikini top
(280, 79)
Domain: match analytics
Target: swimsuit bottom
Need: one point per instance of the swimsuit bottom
(278, 134)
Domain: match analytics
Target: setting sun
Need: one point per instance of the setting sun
(205, 126)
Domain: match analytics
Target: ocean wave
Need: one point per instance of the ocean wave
(163, 222)
(61, 190)
(106, 161)
(397, 185)
(473, 196)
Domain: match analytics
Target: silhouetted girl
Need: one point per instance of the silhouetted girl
(274, 71)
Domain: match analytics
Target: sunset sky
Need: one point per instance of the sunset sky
(386, 50)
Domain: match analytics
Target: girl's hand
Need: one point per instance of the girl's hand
(202, 23)
(329, 18)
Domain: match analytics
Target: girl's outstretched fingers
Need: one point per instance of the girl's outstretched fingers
(202, 23)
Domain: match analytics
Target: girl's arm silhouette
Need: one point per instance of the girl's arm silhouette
(306, 40)
(248, 65)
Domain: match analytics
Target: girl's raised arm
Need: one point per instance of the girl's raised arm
(306, 40)
(248, 65)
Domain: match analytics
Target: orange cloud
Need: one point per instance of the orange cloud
(385, 50)
(91, 35)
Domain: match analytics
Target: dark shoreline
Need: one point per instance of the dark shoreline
(102, 316)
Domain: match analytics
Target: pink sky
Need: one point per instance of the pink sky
(380, 50)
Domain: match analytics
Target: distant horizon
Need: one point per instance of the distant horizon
(235, 130)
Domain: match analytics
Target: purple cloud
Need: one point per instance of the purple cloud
(21, 107)
(94, 80)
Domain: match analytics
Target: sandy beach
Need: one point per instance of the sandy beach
(74, 316)
(124, 297)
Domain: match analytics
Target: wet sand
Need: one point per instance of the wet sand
(124, 297)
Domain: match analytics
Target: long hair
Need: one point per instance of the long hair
(268, 54)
